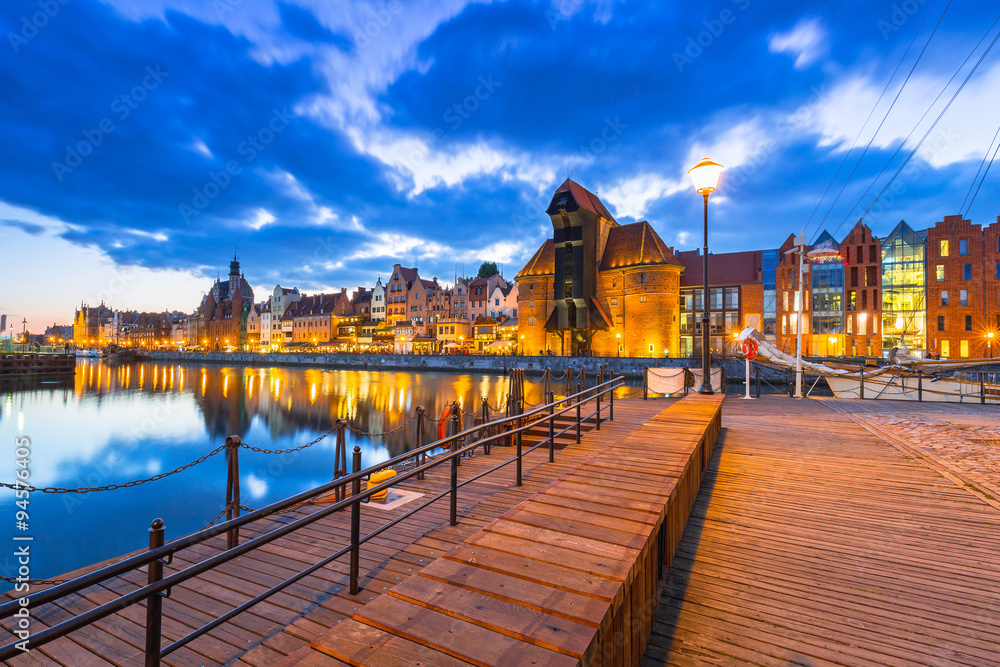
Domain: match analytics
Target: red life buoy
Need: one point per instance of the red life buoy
(749, 348)
(443, 424)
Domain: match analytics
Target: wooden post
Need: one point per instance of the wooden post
(548, 380)
(982, 388)
(456, 426)
(862, 390)
(757, 372)
(920, 386)
(154, 603)
(645, 383)
(485, 431)
(233, 443)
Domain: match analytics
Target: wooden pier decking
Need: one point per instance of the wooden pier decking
(815, 541)
(293, 618)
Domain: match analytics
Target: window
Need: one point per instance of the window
(784, 324)
(863, 324)
(784, 301)
(945, 351)
(531, 304)
(871, 276)
(531, 321)
(940, 322)
(642, 298)
(998, 270)
(939, 272)
(963, 349)
(850, 321)
(614, 302)
(963, 297)
(651, 349)
(872, 254)
(968, 322)
(642, 281)
(963, 246)
(944, 297)
(944, 248)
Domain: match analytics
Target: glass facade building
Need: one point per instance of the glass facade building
(904, 289)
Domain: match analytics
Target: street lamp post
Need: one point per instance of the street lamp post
(618, 339)
(522, 345)
(705, 175)
(989, 344)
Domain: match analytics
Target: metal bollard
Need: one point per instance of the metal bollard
(552, 427)
(454, 489)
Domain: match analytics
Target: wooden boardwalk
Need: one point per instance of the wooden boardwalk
(567, 577)
(299, 615)
(816, 542)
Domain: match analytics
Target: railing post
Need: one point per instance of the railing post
(233, 443)
(982, 388)
(456, 426)
(454, 489)
(598, 413)
(421, 458)
(552, 426)
(154, 603)
(511, 411)
(862, 390)
(578, 420)
(340, 460)
(611, 404)
(548, 380)
(355, 523)
(485, 431)
(645, 383)
(517, 440)
(920, 386)
(757, 373)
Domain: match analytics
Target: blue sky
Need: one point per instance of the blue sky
(144, 139)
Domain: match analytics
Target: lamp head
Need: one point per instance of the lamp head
(705, 176)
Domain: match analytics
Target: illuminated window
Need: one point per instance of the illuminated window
(850, 322)
(651, 349)
(939, 271)
(642, 298)
(944, 248)
(863, 324)
(784, 325)
(945, 349)
(614, 302)
(963, 349)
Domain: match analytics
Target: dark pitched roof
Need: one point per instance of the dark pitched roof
(409, 275)
(636, 244)
(542, 263)
(730, 268)
(584, 198)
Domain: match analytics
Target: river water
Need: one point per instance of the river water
(113, 424)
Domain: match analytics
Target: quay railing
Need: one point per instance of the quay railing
(412, 464)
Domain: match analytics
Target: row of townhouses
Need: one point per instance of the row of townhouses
(601, 288)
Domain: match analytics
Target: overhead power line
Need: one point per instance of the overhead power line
(976, 177)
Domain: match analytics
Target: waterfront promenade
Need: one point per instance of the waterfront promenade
(825, 532)
(833, 532)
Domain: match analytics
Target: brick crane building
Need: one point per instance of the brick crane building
(598, 287)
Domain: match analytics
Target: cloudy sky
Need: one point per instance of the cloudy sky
(144, 139)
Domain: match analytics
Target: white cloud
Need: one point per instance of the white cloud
(261, 218)
(961, 134)
(198, 146)
(806, 42)
(632, 196)
(256, 486)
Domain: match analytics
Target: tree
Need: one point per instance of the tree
(487, 269)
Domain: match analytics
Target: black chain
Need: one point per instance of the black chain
(263, 450)
(113, 487)
(379, 435)
(33, 582)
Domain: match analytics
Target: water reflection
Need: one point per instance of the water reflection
(115, 423)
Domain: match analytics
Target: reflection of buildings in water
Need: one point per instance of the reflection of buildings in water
(290, 401)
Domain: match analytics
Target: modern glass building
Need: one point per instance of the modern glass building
(904, 288)
(770, 265)
(827, 301)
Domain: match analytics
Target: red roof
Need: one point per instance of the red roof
(635, 244)
(542, 263)
(585, 198)
(730, 268)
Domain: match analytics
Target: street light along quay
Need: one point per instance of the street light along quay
(705, 175)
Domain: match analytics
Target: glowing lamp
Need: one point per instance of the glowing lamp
(705, 176)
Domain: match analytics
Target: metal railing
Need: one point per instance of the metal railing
(159, 554)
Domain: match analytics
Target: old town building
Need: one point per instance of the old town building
(598, 287)
(221, 318)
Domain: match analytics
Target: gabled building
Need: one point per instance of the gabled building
(598, 287)
(224, 310)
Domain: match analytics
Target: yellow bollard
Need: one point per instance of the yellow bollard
(379, 477)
